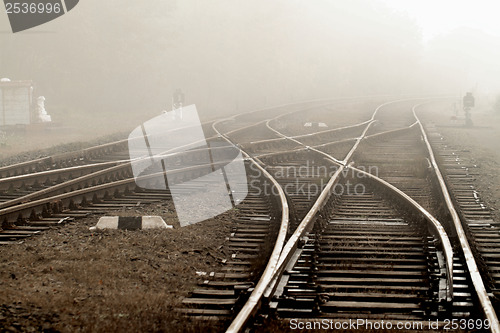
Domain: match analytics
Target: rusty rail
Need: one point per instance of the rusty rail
(251, 306)
(472, 267)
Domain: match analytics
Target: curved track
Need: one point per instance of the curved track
(300, 245)
(445, 262)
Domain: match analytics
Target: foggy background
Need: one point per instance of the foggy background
(118, 62)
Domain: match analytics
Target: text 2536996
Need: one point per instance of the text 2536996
(32, 8)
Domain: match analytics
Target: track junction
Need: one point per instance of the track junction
(375, 220)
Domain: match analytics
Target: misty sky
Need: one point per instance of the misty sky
(441, 17)
(230, 56)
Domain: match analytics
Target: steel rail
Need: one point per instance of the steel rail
(69, 192)
(82, 153)
(300, 143)
(118, 166)
(22, 178)
(248, 126)
(96, 149)
(311, 134)
(34, 175)
(397, 130)
(353, 149)
(282, 115)
(358, 140)
(325, 101)
(472, 267)
(306, 148)
(262, 121)
(335, 142)
(251, 306)
(123, 165)
(79, 154)
(90, 151)
(434, 223)
(306, 224)
(67, 185)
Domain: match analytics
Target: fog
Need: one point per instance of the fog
(121, 61)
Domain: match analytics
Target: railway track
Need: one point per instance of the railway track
(320, 274)
(476, 218)
(390, 249)
(225, 292)
(366, 261)
(29, 180)
(46, 192)
(49, 191)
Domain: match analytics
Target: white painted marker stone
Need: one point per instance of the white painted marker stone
(131, 223)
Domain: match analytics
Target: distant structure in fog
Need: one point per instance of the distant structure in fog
(17, 104)
(469, 103)
(177, 103)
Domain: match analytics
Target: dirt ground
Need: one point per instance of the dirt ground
(70, 279)
(479, 143)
